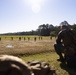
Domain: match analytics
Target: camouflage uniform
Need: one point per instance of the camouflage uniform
(63, 43)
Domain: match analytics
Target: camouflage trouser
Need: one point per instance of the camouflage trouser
(59, 48)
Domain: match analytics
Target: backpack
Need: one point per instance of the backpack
(71, 51)
(72, 34)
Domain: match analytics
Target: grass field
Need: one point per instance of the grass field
(41, 50)
(16, 46)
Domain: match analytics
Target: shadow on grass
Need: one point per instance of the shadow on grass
(71, 71)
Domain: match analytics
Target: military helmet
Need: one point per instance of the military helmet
(64, 24)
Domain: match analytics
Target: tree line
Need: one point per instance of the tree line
(43, 30)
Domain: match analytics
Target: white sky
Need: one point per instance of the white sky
(27, 15)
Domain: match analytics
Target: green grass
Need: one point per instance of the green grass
(51, 58)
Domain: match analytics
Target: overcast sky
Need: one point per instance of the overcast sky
(27, 15)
